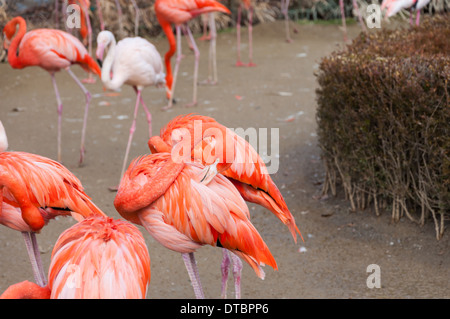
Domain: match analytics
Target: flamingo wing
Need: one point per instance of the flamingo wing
(42, 182)
(100, 258)
(54, 50)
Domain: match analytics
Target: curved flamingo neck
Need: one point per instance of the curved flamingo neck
(13, 58)
(114, 83)
(157, 145)
(167, 28)
(3, 139)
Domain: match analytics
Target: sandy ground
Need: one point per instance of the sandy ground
(339, 244)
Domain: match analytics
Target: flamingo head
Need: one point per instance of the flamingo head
(104, 39)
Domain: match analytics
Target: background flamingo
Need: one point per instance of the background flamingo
(394, 6)
(34, 190)
(248, 6)
(178, 12)
(358, 13)
(133, 61)
(98, 257)
(52, 50)
(182, 212)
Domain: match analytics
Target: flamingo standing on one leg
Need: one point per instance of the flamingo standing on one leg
(394, 6)
(52, 50)
(247, 171)
(183, 211)
(178, 12)
(34, 190)
(133, 61)
(97, 258)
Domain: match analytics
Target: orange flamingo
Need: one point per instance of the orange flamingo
(243, 167)
(99, 258)
(178, 12)
(183, 211)
(34, 190)
(52, 50)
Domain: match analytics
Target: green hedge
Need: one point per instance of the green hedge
(384, 121)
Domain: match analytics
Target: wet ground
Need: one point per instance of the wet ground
(278, 93)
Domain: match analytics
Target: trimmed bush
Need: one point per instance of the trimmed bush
(384, 121)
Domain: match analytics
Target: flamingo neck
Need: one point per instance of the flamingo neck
(13, 57)
(157, 145)
(167, 28)
(3, 139)
(115, 82)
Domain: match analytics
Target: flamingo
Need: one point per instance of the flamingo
(284, 8)
(133, 61)
(245, 168)
(97, 258)
(52, 50)
(344, 25)
(249, 7)
(34, 190)
(178, 12)
(183, 210)
(394, 6)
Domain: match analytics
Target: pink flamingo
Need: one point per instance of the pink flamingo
(249, 7)
(34, 190)
(132, 61)
(97, 258)
(243, 167)
(52, 50)
(344, 24)
(394, 6)
(186, 206)
(178, 12)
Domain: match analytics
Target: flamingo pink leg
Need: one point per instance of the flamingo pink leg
(238, 33)
(344, 25)
(250, 37)
(35, 258)
(191, 266)
(418, 18)
(100, 15)
(149, 115)
(136, 18)
(59, 110)
(119, 14)
(358, 13)
(224, 269)
(237, 272)
(132, 129)
(197, 57)
(86, 110)
(284, 9)
(212, 50)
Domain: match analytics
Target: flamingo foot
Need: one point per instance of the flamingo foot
(289, 40)
(113, 188)
(193, 103)
(89, 80)
(239, 63)
(205, 38)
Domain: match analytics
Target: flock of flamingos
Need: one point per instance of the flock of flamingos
(183, 203)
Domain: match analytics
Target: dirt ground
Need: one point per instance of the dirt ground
(278, 93)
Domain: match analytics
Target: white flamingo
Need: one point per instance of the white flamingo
(132, 61)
